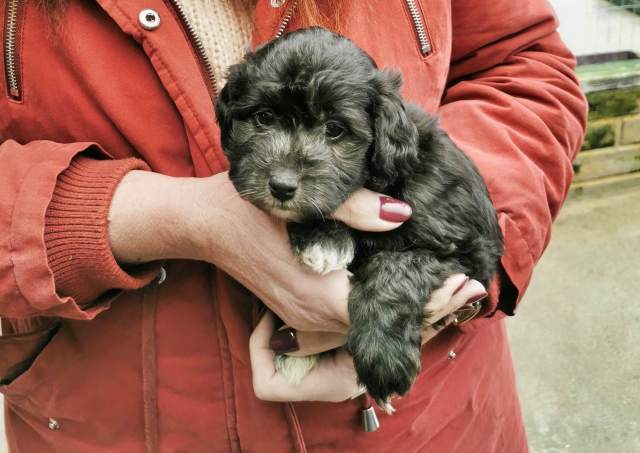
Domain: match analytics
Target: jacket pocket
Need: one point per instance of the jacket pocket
(20, 352)
(11, 44)
(419, 25)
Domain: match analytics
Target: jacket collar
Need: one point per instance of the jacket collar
(179, 69)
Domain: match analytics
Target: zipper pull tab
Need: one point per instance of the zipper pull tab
(369, 416)
(370, 419)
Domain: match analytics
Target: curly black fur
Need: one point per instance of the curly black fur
(312, 84)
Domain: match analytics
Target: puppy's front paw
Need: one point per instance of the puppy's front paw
(325, 257)
(294, 369)
(322, 246)
(387, 368)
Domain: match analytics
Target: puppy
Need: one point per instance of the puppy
(307, 120)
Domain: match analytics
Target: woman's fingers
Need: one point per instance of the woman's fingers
(332, 379)
(268, 383)
(299, 343)
(428, 332)
(441, 298)
(261, 353)
(457, 291)
(370, 211)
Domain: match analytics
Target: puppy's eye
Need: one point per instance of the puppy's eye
(264, 118)
(333, 129)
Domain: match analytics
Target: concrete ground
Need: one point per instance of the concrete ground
(576, 334)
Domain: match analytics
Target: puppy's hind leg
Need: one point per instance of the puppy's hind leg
(387, 310)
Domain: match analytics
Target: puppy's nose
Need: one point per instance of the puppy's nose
(283, 186)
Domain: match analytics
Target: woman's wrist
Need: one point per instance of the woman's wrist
(151, 218)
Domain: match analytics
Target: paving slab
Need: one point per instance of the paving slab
(575, 336)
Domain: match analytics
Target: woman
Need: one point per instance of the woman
(124, 327)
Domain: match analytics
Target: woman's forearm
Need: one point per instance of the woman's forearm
(154, 217)
(151, 218)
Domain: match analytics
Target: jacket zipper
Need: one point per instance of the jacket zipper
(205, 64)
(288, 15)
(197, 44)
(419, 27)
(11, 63)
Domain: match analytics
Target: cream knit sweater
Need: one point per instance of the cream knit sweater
(225, 31)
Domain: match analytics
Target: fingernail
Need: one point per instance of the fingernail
(464, 282)
(284, 341)
(394, 210)
(477, 298)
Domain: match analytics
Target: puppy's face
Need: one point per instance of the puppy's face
(297, 121)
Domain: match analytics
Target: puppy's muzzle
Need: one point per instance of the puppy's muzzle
(283, 185)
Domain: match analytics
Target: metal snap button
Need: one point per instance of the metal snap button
(53, 424)
(149, 19)
(277, 3)
(452, 355)
(162, 276)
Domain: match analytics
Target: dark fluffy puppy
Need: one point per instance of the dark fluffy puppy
(308, 119)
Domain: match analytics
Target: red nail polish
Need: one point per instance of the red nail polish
(284, 341)
(464, 282)
(394, 210)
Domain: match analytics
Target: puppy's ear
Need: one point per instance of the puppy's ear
(395, 147)
(237, 80)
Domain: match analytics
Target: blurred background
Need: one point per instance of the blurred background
(576, 334)
(575, 337)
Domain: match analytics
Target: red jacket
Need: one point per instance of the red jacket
(165, 367)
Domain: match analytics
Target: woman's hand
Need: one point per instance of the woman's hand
(333, 379)
(154, 217)
(456, 292)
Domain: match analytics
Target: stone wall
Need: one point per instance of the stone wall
(612, 142)
(629, 5)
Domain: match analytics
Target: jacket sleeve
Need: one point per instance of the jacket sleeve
(55, 259)
(513, 104)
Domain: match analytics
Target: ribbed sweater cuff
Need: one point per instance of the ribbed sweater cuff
(76, 238)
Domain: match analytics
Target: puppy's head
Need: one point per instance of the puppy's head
(308, 119)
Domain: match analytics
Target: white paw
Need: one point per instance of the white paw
(387, 408)
(294, 368)
(326, 258)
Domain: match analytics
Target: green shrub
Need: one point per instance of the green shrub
(629, 5)
(598, 137)
(605, 104)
